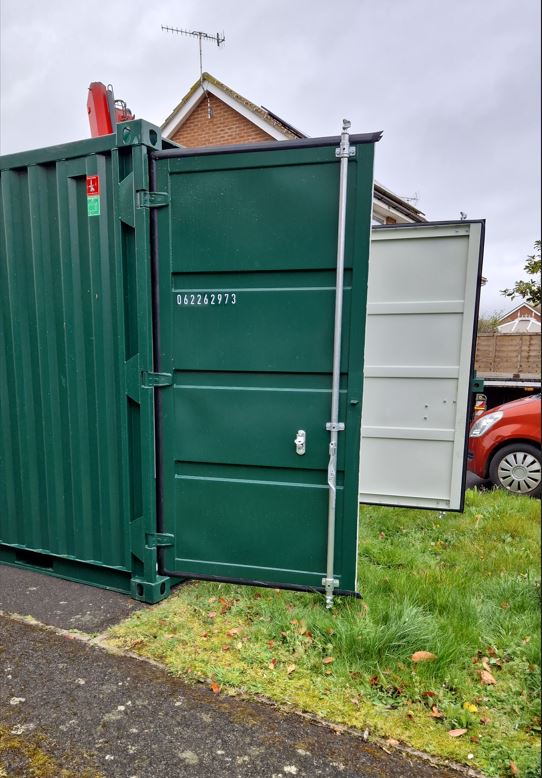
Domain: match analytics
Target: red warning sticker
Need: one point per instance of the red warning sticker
(93, 185)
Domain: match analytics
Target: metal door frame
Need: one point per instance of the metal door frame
(154, 157)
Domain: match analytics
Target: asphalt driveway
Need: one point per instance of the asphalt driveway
(70, 708)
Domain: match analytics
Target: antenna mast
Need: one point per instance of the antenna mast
(201, 36)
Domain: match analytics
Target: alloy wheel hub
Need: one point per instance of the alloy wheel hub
(520, 472)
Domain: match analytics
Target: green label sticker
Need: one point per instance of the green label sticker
(93, 204)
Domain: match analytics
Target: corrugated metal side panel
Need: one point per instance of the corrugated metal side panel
(63, 478)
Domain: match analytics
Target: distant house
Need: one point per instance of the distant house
(523, 318)
(212, 114)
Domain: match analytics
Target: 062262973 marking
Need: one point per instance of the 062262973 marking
(206, 298)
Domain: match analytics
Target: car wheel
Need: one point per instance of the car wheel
(517, 468)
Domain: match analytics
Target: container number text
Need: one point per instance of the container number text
(209, 298)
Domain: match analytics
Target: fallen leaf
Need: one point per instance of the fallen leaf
(211, 614)
(211, 600)
(422, 656)
(270, 643)
(391, 741)
(381, 535)
(487, 678)
(491, 651)
(272, 664)
(485, 663)
(290, 669)
(456, 732)
(514, 768)
(484, 720)
(328, 660)
(354, 700)
(215, 688)
(308, 634)
(475, 739)
(436, 713)
(225, 648)
(233, 631)
(429, 694)
(373, 680)
(328, 672)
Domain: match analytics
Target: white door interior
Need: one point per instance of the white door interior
(419, 344)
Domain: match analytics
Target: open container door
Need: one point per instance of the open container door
(422, 309)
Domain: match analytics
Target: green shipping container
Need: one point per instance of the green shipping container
(166, 335)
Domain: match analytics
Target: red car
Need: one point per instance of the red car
(504, 446)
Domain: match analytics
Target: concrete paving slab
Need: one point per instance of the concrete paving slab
(98, 714)
(61, 603)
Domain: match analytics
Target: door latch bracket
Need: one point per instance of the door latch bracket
(150, 380)
(155, 539)
(335, 426)
(351, 152)
(151, 199)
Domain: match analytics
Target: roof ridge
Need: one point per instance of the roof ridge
(256, 109)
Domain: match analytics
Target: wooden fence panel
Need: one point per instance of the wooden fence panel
(514, 355)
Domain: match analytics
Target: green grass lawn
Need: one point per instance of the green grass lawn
(464, 587)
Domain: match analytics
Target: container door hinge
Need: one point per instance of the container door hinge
(155, 539)
(150, 380)
(152, 199)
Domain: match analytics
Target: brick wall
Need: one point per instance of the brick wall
(224, 128)
(522, 311)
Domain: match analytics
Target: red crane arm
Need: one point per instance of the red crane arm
(104, 112)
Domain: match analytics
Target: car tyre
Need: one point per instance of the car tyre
(517, 469)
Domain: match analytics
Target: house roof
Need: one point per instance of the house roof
(401, 205)
(523, 324)
(535, 310)
(273, 124)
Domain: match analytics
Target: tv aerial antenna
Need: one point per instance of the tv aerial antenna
(201, 36)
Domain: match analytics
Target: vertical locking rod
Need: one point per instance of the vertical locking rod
(344, 152)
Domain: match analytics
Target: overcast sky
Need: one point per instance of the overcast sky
(454, 85)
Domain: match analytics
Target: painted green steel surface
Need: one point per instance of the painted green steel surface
(247, 258)
(247, 249)
(76, 427)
